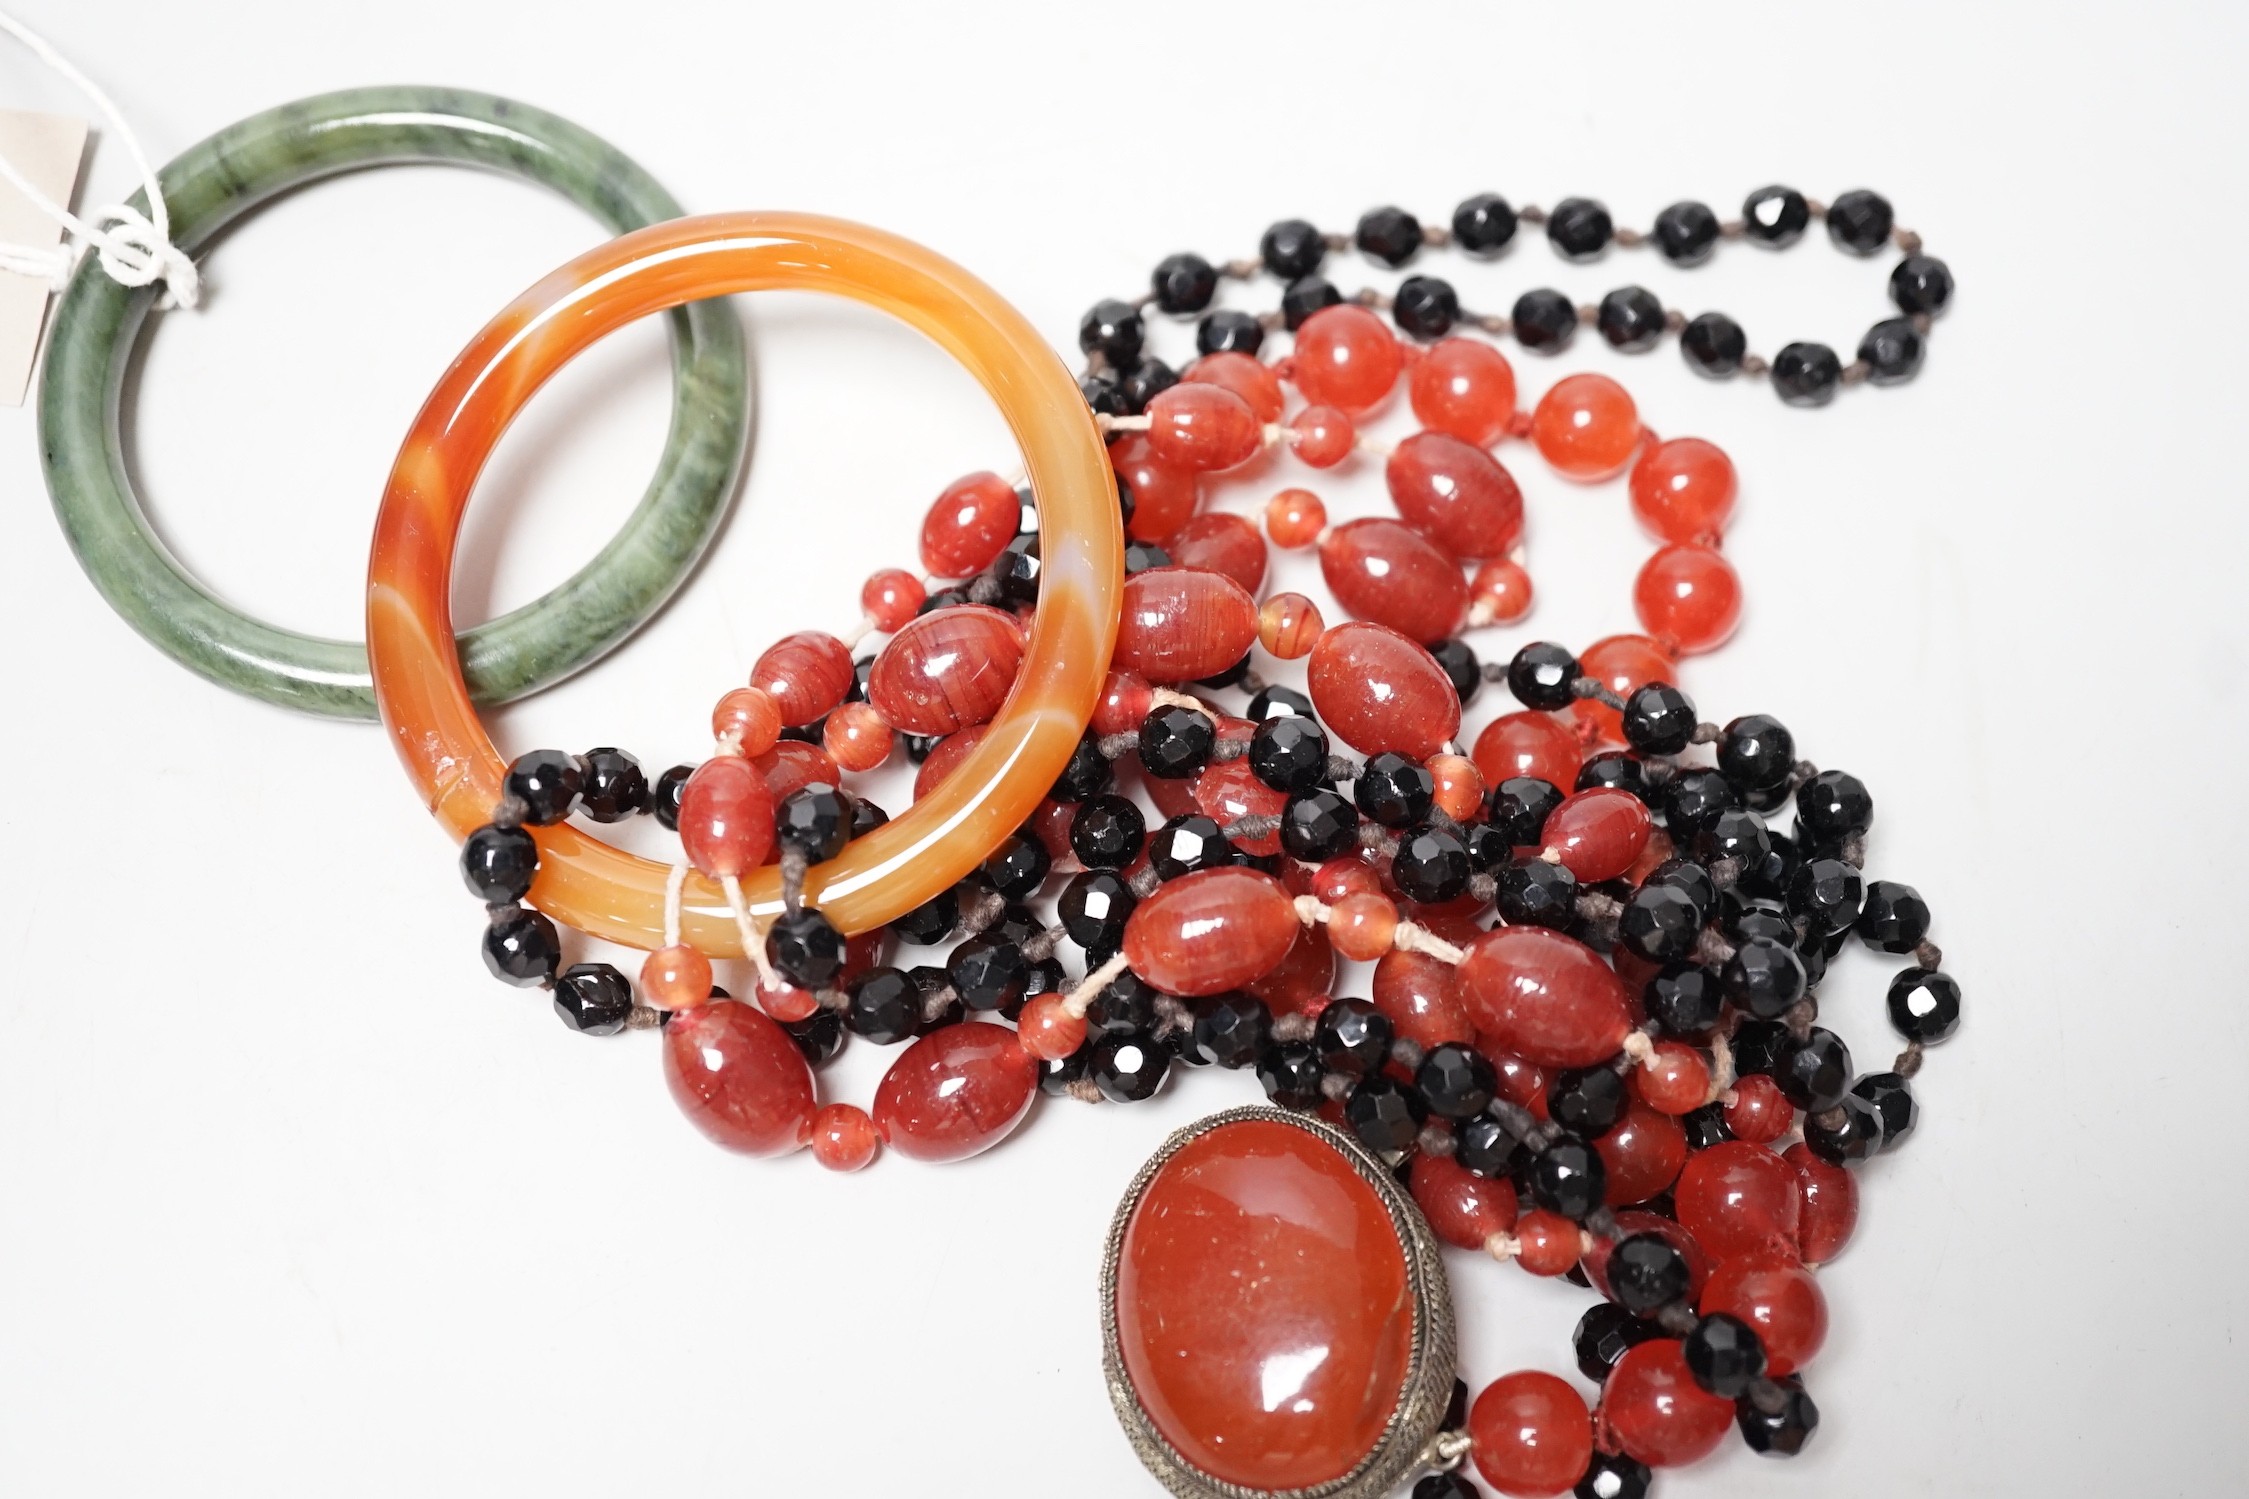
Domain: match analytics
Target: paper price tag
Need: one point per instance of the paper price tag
(47, 150)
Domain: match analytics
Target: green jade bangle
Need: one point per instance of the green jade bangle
(243, 166)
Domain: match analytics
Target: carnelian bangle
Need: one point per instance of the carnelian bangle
(584, 882)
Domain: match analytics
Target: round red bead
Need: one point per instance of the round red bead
(1125, 700)
(1676, 1080)
(1295, 518)
(1389, 573)
(843, 1138)
(1464, 387)
(1421, 997)
(1654, 1411)
(1211, 931)
(1831, 1205)
(1456, 494)
(1545, 997)
(968, 525)
(1221, 542)
(1586, 426)
(1163, 495)
(1642, 1152)
(1528, 743)
(955, 1092)
(1532, 1435)
(1688, 596)
(1378, 690)
(1180, 624)
(1202, 428)
(1624, 664)
(1737, 1199)
(1778, 1297)
(1683, 490)
(947, 669)
(891, 597)
(1322, 436)
(805, 674)
(738, 1077)
(1346, 358)
(1500, 593)
(726, 816)
(1759, 1112)
(1258, 386)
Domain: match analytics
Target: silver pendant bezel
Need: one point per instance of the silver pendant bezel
(1405, 1442)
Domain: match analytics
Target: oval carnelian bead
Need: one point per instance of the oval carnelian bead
(726, 816)
(1306, 974)
(1688, 596)
(1683, 490)
(1048, 1030)
(1245, 376)
(1180, 624)
(1466, 388)
(1830, 1205)
(1587, 427)
(1221, 542)
(1776, 1296)
(1227, 791)
(1202, 428)
(806, 675)
(1387, 572)
(1654, 1412)
(1599, 833)
(1379, 690)
(1642, 1153)
(738, 1077)
(1421, 997)
(1624, 664)
(955, 1092)
(1455, 494)
(1289, 625)
(1464, 1209)
(1532, 1435)
(1737, 1199)
(968, 524)
(1321, 436)
(1674, 1080)
(1211, 931)
(1545, 997)
(1360, 926)
(1528, 743)
(1163, 496)
(1346, 358)
(750, 718)
(947, 669)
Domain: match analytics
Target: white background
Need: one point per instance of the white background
(295, 1200)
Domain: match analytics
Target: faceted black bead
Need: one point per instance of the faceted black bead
(806, 948)
(918, 746)
(1859, 221)
(1352, 1037)
(1460, 665)
(1616, 770)
(1725, 1355)
(1446, 1486)
(1231, 1029)
(818, 1036)
(1488, 847)
(1827, 893)
(593, 998)
(1394, 790)
(1279, 702)
(1806, 374)
(1750, 916)
(498, 863)
(1659, 719)
(547, 782)
(1854, 1133)
(1892, 1098)
(1756, 751)
(1579, 228)
(1660, 923)
(1139, 556)
(1484, 224)
(1111, 329)
(1686, 233)
(1605, 1334)
(1894, 918)
(1612, 1475)
(1687, 875)
(1714, 345)
(1482, 1145)
(1095, 906)
(862, 669)
(1924, 1005)
(1102, 394)
(1815, 1072)
(1544, 320)
(1631, 319)
(1764, 977)
(1317, 826)
(1587, 1100)
(1783, 1433)
(1705, 1126)
(1290, 1074)
(1541, 674)
(1129, 1067)
(1145, 381)
(1305, 296)
(1229, 331)
(1833, 804)
(1775, 216)
(1108, 832)
(1758, 1045)
(1892, 351)
(1537, 892)
(1056, 1077)
(1184, 283)
(521, 947)
(932, 921)
(1292, 248)
(1086, 776)
(1683, 1001)
(1520, 806)
(1782, 860)
(1646, 1273)
(1921, 283)
(615, 787)
(1390, 235)
(1175, 742)
(884, 1005)
(1019, 866)
(814, 821)
(866, 817)
(1740, 835)
(1425, 306)
(1432, 866)
(664, 801)
(1567, 1177)
(943, 598)
(1187, 844)
(1232, 676)
(1456, 1081)
(1016, 571)
(1385, 1115)
(1127, 1004)
(1289, 754)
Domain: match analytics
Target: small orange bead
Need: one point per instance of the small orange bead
(1346, 358)
(1587, 427)
(1624, 664)
(1549, 1243)
(1460, 787)
(1288, 624)
(1360, 926)
(1258, 387)
(1203, 428)
(856, 737)
(1295, 518)
(1466, 388)
(891, 597)
(1675, 1079)
(1759, 1112)
(786, 1002)
(842, 1137)
(751, 717)
(1500, 594)
(1683, 490)
(1688, 596)
(1342, 876)
(1048, 1030)
(676, 978)
(1321, 436)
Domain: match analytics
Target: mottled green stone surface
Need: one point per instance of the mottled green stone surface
(230, 174)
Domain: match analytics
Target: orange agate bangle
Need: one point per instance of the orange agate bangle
(600, 890)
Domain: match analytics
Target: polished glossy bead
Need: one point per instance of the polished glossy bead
(676, 977)
(1263, 1308)
(1686, 232)
(1292, 248)
(1221, 542)
(670, 786)
(1537, 892)
(857, 738)
(1175, 742)
(1483, 224)
(1568, 1178)
(1306, 296)
(1688, 597)
(1295, 518)
(1456, 494)
(1683, 489)
(1389, 234)
(1207, 932)
(1544, 321)
(989, 972)
(1630, 319)
(1230, 1030)
(1289, 754)
(1612, 1475)
(842, 1137)
(1775, 216)
(1892, 351)
(1182, 623)
(1831, 1205)
(1290, 1073)
(1892, 1098)
(1652, 1408)
(1764, 977)
(1924, 1005)
(593, 999)
(1599, 834)
(1586, 1101)
(1849, 1133)
(1814, 1072)
(1320, 437)
(1806, 374)
(1227, 792)
(1545, 997)
(1455, 1080)
(883, 1005)
(1162, 496)
(547, 783)
(1674, 1080)
(1692, 802)
(968, 524)
(1289, 625)
(1347, 359)
(819, 1036)
(1826, 892)
(1420, 997)
(1483, 1146)
(1714, 345)
(1377, 690)
(1759, 1113)
(1587, 427)
(1602, 1336)
(1725, 1355)
(1531, 1434)
(1464, 388)
(947, 670)
(1318, 825)
(614, 786)
(1683, 1001)
(1777, 1297)
(806, 674)
(806, 949)
(1390, 573)
(726, 817)
(1623, 664)
(738, 1078)
(1360, 926)
(1921, 283)
(1228, 331)
(1614, 770)
(1425, 307)
(521, 947)
(1111, 328)
(1860, 221)
(1463, 1209)
(1353, 1038)
(814, 821)
(1459, 787)
(1183, 283)
(1305, 976)
(1784, 1432)
(1738, 1199)
(1645, 1273)
(1579, 228)
(1642, 1155)
(1833, 805)
(1108, 833)
(1658, 719)
(1521, 804)
(1756, 752)
(498, 863)
(1202, 428)
(1394, 790)
(1385, 1116)
(1432, 866)
(955, 1092)
(1548, 1244)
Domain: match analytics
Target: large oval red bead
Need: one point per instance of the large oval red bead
(968, 524)
(1528, 743)
(1378, 691)
(1545, 997)
(1162, 496)
(1211, 931)
(1421, 996)
(1776, 1296)
(1306, 974)
(1599, 833)
(947, 669)
(738, 1077)
(1738, 1199)
(1387, 572)
(1831, 1205)
(1457, 495)
(1256, 384)
(806, 674)
(1180, 624)
(1220, 541)
(1642, 1153)
(957, 1091)
(1463, 1209)
(726, 816)
(1202, 427)
(1264, 1309)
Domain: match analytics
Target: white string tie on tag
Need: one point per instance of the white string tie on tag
(135, 248)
